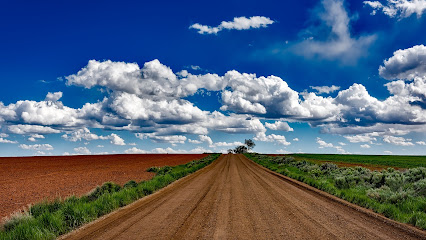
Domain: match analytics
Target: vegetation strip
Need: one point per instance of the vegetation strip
(47, 220)
(396, 195)
(374, 160)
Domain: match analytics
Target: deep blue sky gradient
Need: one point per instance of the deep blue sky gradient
(41, 42)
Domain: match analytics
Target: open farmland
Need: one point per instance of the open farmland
(369, 161)
(25, 180)
(235, 198)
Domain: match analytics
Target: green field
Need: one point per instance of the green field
(377, 160)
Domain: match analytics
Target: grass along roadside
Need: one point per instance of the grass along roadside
(397, 195)
(374, 160)
(49, 219)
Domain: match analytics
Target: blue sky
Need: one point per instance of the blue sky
(330, 76)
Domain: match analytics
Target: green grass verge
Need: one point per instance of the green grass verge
(49, 219)
(397, 195)
(380, 160)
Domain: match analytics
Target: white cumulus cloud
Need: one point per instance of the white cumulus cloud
(280, 139)
(82, 151)
(31, 129)
(398, 141)
(37, 147)
(134, 150)
(398, 8)
(278, 125)
(3, 140)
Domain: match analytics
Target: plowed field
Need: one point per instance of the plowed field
(25, 180)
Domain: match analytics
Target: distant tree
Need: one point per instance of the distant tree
(241, 149)
(249, 143)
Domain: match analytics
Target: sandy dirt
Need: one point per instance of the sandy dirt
(234, 198)
(25, 180)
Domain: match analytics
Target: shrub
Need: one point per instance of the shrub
(394, 180)
(328, 167)
(420, 188)
(45, 206)
(415, 174)
(130, 184)
(16, 219)
(107, 187)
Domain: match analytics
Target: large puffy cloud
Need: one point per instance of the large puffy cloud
(150, 101)
(41, 113)
(132, 107)
(154, 80)
(272, 97)
(260, 95)
(338, 43)
(114, 75)
(400, 8)
(239, 23)
(405, 64)
(357, 105)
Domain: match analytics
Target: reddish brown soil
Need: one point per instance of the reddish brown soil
(25, 180)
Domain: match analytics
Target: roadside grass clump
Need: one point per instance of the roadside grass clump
(50, 219)
(400, 195)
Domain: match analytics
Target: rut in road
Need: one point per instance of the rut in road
(234, 198)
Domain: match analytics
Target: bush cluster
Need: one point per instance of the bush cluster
(49, 219)
(400, 195)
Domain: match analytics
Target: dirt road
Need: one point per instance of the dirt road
(234, 198)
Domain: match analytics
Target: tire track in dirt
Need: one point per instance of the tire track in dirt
(234, 198)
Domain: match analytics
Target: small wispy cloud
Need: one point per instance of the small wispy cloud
(239, 23)
(325, 89)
